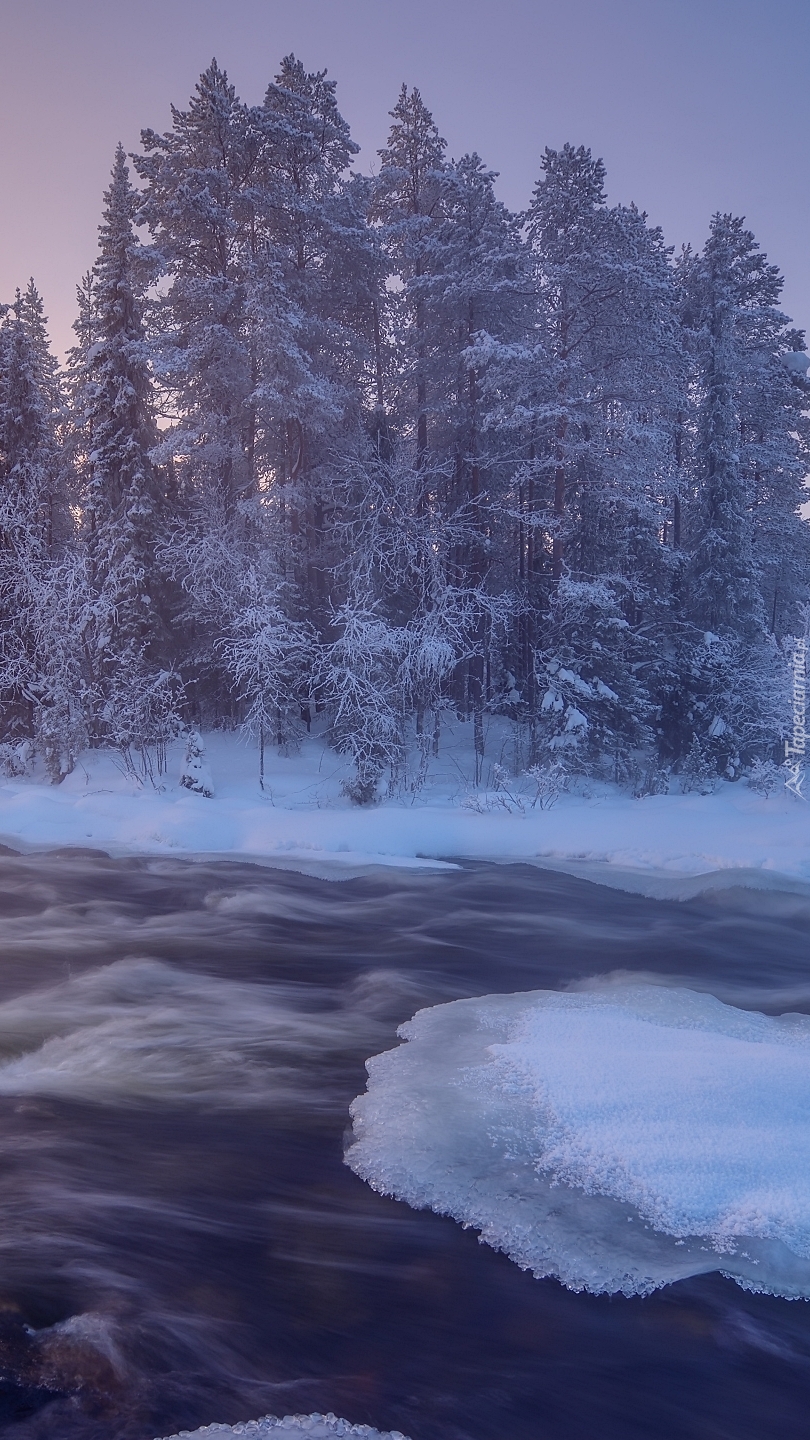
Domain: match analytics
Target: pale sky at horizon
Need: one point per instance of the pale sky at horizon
(695, 105)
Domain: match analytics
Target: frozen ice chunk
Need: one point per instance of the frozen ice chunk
(616, 1138)
(292, 1427)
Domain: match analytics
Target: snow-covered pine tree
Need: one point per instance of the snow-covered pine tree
(608, 324)
(457, 274)
(775, 451)
(134, 700)
(199, 203)
(748, 562)
(329, 266)
(408, 207)
(729, 286)
(590, 398)
(41, 579)
(263, 250)
(477, 290)
(30, 308)
(217, 317)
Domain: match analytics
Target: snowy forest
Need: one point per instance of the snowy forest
(362, 451)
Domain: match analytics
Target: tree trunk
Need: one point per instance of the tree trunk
(558, 546)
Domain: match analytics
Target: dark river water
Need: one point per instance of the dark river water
(180, 1240)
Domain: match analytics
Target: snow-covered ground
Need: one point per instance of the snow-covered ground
(618, 1138)
(303, 820)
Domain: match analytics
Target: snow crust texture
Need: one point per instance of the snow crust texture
(292, 1427)
(617, 1138)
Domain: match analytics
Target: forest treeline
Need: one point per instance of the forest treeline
(374, 449)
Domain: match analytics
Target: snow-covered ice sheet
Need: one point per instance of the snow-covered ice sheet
(292, 1427)
(302, 820)
(619, 1138)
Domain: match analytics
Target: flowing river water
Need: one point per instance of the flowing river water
(180, 1240)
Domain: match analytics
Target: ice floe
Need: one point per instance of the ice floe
(292, 1427)
(618, 1138)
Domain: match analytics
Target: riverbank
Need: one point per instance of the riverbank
(302, 819)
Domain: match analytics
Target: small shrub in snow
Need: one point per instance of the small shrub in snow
(15, 760)
(548, 781)
(361, 789)
(490, 803)
(652, 781)
(195, 774)
(764, 777)
(501, 795)
(500, 778)
(697, 772)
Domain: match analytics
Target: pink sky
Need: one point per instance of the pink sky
(695, 105)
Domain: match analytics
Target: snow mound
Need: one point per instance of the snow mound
(292, 1427)
(615, 1138)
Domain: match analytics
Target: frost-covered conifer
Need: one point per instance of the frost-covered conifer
(730, 285)
(120, 494)
(748, 546)
(752, 440)
(265, 259)
(41, 581)
(588, 400)
(408, 205)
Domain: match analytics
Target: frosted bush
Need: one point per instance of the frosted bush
(548, 781)
(652, 781)
(697, 772)
(764, 777)
(195, 774)
(15, 760)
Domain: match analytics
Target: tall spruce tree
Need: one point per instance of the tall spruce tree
(590, 396)
(121, 498)
(408, 204)
(41, 589)
(264, 253)
(747, 543)
(732, 289)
